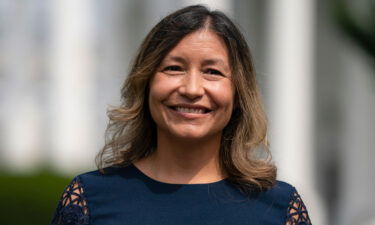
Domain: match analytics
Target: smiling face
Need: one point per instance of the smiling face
(191, 93)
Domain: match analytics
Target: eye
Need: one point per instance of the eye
(173, 68)
(213, 72)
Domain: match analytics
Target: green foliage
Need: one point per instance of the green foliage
(357, 24)
(29, 199)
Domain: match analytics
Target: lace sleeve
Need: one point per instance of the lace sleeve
(72, 207)
(297, 213)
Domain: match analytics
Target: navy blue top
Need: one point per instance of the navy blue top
(127, 196)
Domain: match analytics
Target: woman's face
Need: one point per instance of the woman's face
(191, 94)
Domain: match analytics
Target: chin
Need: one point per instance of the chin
(187, 135)
(192, 136)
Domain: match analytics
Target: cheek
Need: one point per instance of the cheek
(156, 90)
(224, 95)
(161, 88)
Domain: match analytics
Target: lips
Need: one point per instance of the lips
(192, 109)
(189, 110)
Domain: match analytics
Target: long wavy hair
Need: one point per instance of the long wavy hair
(131, 132)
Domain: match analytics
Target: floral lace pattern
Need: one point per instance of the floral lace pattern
(72, 208)
(297, 212)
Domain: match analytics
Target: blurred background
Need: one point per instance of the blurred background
(62, 63)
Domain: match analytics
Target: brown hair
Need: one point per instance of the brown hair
(131, 133)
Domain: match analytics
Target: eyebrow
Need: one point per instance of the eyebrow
(209, 62)
(176, 58)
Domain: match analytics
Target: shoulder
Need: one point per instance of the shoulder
(277, 198)
(82, 193)
(282, 186)
(283, 200)
(280, 191)
(72, 205)
(108, 171)
(105, 172)
(288, 198)
(105, 178)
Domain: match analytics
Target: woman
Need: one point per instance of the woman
(182, 146)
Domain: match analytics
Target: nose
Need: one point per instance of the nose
(192, 85)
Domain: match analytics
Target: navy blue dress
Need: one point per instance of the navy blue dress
(126, 196)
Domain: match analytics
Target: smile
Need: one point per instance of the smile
(190, 109)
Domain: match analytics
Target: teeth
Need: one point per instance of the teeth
(189, 110)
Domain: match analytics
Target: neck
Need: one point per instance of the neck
(184, 161)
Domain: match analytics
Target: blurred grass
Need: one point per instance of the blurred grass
(29, 199)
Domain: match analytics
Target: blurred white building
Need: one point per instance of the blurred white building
(62, 63)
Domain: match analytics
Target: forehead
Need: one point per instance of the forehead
(201, 43)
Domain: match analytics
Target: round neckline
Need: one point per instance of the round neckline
(174, 184)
